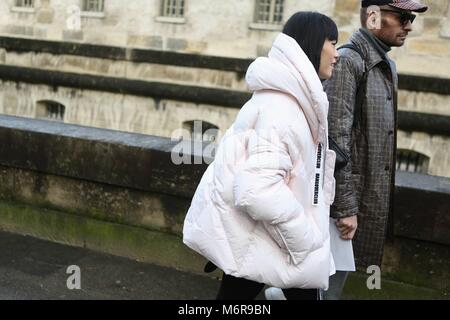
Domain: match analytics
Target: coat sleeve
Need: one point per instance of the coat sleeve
(260, 190)
(341, 91)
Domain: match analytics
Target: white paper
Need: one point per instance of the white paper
(342, 250)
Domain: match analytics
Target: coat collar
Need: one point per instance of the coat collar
(379, 45)
(373, 51)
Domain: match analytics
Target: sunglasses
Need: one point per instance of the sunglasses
(404, 16)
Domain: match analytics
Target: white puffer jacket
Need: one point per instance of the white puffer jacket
(261, 210)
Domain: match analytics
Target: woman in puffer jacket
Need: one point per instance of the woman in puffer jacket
(261, 210)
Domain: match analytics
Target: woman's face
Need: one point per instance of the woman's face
(328, 59)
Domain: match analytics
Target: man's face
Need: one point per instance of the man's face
(395, 27)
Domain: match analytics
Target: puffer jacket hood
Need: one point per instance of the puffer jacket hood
(287, 69)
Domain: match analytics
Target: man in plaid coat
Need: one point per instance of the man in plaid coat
(365, 129)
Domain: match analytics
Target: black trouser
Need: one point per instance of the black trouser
(233, 288)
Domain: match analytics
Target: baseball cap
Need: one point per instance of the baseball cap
(409, 5)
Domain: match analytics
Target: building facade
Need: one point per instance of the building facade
(233, 28)
(125, 43)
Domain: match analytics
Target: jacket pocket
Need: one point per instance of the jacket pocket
(278, 238)
(296, 248)
(275, 235)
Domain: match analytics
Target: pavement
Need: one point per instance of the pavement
(33, 269)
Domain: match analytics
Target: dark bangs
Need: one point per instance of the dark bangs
(330, 29)
(310, 30)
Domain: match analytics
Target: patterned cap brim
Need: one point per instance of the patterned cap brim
(409, 5)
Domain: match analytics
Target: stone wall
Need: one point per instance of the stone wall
(162, 117)
(224, 28)
(427, 50)
(121, 193)
(139, 26)
(112, 111)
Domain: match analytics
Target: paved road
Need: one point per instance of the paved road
(35, 269)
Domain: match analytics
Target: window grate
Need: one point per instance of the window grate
(201, 130)
(50, 110)
(93, 5)
(173, 8)
(25, 3)
(411, 161)
(269, 11)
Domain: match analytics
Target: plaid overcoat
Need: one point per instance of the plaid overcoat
(365, 186)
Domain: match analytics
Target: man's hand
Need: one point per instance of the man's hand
(347, 227)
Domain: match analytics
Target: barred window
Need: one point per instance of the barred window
(411, 161)
(202, 130)
(93, 5)
(173, 8)
(50, 110)
(269, 11)
(25, 3)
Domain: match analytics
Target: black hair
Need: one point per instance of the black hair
(310, 30)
